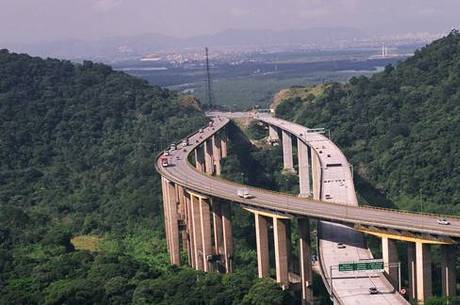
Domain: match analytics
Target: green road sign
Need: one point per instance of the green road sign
(361, 266)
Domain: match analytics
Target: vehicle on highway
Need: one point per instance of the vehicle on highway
(173, 146)
(164, 162)
(340, 246)
(443, 221)
(244, 193)
(166, 153)
(373, 290)
(185, 142)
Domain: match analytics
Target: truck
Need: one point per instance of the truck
(244, 193)
(164, 162)
(173, 146)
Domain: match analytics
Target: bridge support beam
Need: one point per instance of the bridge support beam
(227, 237)
(288, 163)
(390, 256)
(199, 160)
(183, 219)
(316, 175)
(281, 250)
(263, 264)
(423, 264)
(304, 169)
(197, 239)
(217, 154)
(306, 274)
(189, 230)
(412, 269)
(171, 221)
(273, 133)
(217, 226)
(205, 221)
(208, 159)
(448, 271)
(223, 143)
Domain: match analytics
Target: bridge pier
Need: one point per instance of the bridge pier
(263, 264)
(306, 273)
(189, 230)
(281, 250)
(288, 163)
(223, 240)
(412, 269)
(171, 221)
(208, 158)
(423, 273)
(273, 133)
(223, 143)
(316, 175)
(199, 160)
(448, 271)
(304, 168)
(390, 256)
(217, 154)
(227, 237)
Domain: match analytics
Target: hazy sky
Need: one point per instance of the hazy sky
(92, 19)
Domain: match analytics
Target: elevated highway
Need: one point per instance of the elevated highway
(193, 192)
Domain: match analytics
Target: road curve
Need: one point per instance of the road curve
(340, 208)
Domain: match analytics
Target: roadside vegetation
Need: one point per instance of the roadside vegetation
(80, 203)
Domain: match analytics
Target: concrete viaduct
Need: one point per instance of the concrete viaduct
(197, 212)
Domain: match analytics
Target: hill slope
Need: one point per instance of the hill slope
(77, 144)
(400, 128)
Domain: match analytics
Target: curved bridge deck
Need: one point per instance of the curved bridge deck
(336, 208)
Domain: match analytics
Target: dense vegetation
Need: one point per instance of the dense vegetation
(80, 207)
(400, 128)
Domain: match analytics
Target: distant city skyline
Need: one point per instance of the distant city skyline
(48, 20)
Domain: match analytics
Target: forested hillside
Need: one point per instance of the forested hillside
(80, 207)
(400, 128)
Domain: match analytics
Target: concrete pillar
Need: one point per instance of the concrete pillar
(197, 240)
(227, 237)
(199, 160)
(182, 217)
(316, 175)
(205, 219)
(164, 189)
(189, 229)
(263, 263)
(288, 163)
(173, 225)
(273, 133)
(217, 227)
(281, 250)
(306, 274)
(448, 270)
(208, 160)
(390, 255)
(304, 167)
(223, 144)
(412, 269)
(423, 265)
(216, 153)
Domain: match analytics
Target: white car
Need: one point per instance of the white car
(244, 193)
(443, 221)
